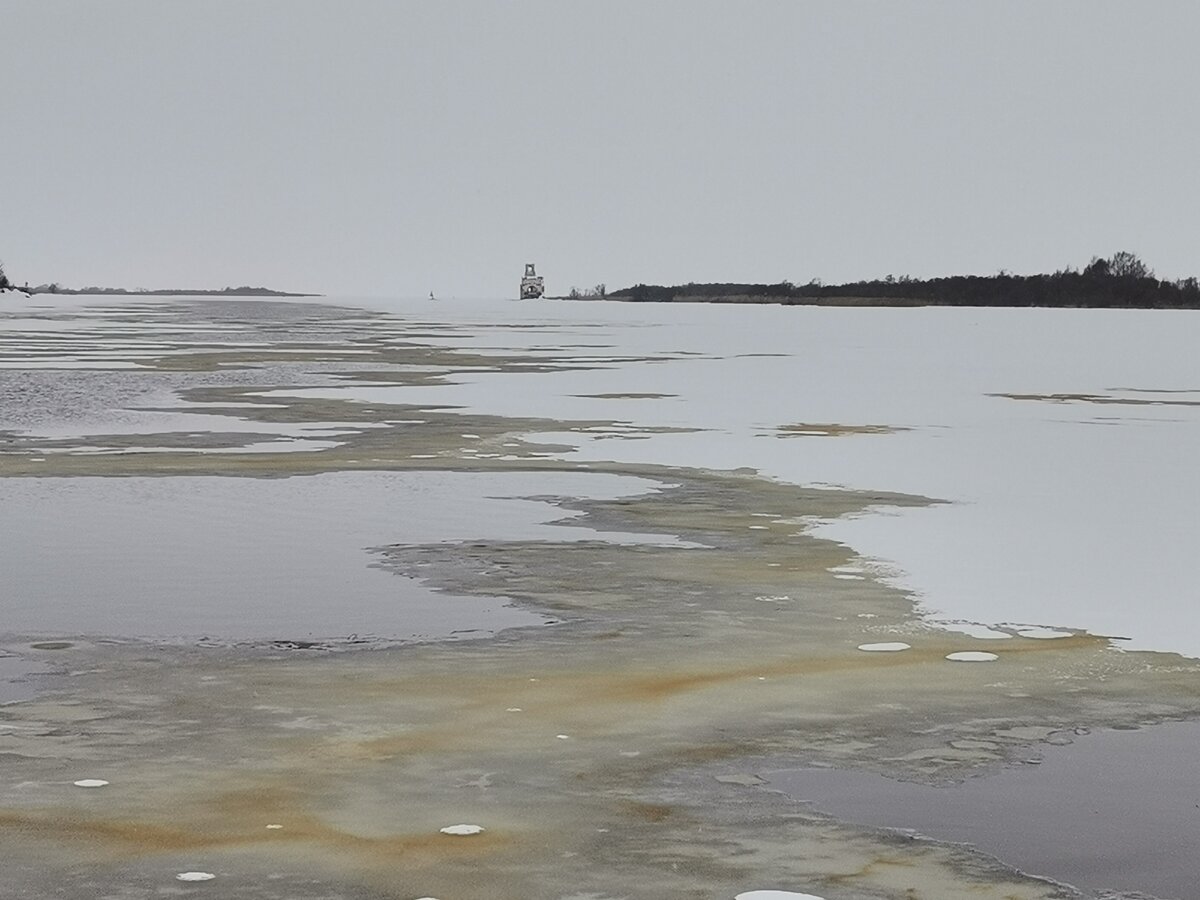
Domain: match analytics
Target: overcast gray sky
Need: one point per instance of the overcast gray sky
(402, 147)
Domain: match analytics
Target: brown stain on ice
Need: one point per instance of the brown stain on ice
(135, 837)
(833, 429)
(596, 698)
(1101, 399)
(646, 812)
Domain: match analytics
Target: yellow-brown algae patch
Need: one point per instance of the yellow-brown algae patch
(125, 838)
(830, 429)
(630, 395)
(1100, 399)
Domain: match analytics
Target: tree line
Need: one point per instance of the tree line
(1121, 280)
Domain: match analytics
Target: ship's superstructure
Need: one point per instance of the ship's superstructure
(532, 285)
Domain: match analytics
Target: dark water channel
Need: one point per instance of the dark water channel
(237, 559)
(1117, 810)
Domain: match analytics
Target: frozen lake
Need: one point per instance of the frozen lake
(401, 474)
(1062, 439)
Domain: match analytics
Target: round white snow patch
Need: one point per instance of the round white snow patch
(972, 656)
(273, 827)
(776, 895)
(195, 876)
(563, 737)
(91, 782)
(462, 830)
(1043, 633)
(885, 647)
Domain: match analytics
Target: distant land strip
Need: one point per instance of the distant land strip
(1122, 281)
(244, 291)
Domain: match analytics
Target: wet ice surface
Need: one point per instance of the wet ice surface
(1041, 524)
(675, 657)
(15, 681)
(243, 559)
(1115, 809)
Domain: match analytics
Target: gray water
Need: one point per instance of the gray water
(255, 559)
(1117, 810)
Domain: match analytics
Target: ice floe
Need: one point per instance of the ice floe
(972, 656)
(90, 783)
(195, 876)
(885, 647)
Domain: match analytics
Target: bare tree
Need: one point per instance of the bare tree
(1124, 264)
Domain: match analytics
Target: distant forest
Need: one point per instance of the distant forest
(1121, 280)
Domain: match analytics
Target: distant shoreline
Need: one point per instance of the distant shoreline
(163, 292)
(1120, 282)
(873, 302)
